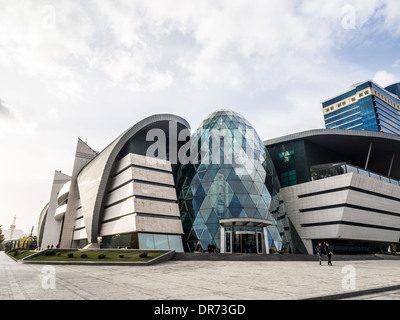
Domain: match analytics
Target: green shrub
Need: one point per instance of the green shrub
(143, 255)
(58, 253)
(15, 253)
(83, 255)
(101, 256)
(121, 256)
(70, 255)
(50, 253)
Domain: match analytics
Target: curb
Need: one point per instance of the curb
(353, 294)
(162, 258)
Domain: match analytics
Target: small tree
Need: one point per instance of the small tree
(1, 239)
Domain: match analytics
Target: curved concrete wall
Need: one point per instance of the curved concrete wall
(93, 179)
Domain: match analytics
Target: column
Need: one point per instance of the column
(266, 240)
(222, 249)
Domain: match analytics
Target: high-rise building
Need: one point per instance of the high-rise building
(365, 106)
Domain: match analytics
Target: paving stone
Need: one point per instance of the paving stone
(198, 280)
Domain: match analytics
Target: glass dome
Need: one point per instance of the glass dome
(231, 184)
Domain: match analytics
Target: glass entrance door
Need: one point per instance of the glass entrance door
(259, 242)
(244, 242)
(228, 241)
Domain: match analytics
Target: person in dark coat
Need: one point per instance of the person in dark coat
(329, 252)
(319, 250)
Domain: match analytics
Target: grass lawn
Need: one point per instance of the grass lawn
(94, 256)
(21, 254)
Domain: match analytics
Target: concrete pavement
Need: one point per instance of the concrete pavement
(198, 280)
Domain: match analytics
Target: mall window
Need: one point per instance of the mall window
(286, 156)
(288, 178)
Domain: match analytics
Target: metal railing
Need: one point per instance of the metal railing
(333, 169)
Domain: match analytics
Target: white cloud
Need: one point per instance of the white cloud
(390, 12)
(384, 78)
(5, 111)
(14, 122)
(93, 68)
(236, 44)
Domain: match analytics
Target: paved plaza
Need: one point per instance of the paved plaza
(198, 280)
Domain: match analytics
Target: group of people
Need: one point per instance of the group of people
(324, 248)
(212, 248)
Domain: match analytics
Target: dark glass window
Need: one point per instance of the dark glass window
(288, 178)
(286, 156)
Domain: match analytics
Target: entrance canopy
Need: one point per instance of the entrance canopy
(245, 222)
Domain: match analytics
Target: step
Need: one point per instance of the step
(191, 256)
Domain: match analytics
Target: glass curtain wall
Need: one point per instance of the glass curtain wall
(231, 177)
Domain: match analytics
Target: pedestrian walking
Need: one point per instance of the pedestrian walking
(323, 247)
(319, 251)
(329, 253)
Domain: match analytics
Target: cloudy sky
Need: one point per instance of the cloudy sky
(91, 69)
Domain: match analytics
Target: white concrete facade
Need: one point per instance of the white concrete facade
(51, 217)
(348, 206)
(109, 196)
(141, 197)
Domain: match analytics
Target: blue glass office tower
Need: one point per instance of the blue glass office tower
(365, 106)
(229, 195)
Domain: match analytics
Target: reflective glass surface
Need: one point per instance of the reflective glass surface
(160, 241)
(394, 88)
(233, 177)
(376, 112)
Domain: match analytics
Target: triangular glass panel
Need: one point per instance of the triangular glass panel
(222, 213)
(256, 214)
(206, 204)
(192, 236)
(196, 204)
(206, 186)
(187, 222)
(212, 171)
(205, 236)
(254, 190)
(213, 228)
(235, 202)
(205, 213)
(198, 230)
(206, 177)
(183, 207)
(212, 218)
(241, 189)
(232, 176)
(225, 172)
(247, 185)
(256, 199)
(262, 205)
(233, 184)
(235, 211)
(226, 214)
(243, 214)
(242, 198)
(249, 203)
(199, 192)
(213, 198)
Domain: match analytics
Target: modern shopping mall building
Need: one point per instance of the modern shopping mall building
(161, 186)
